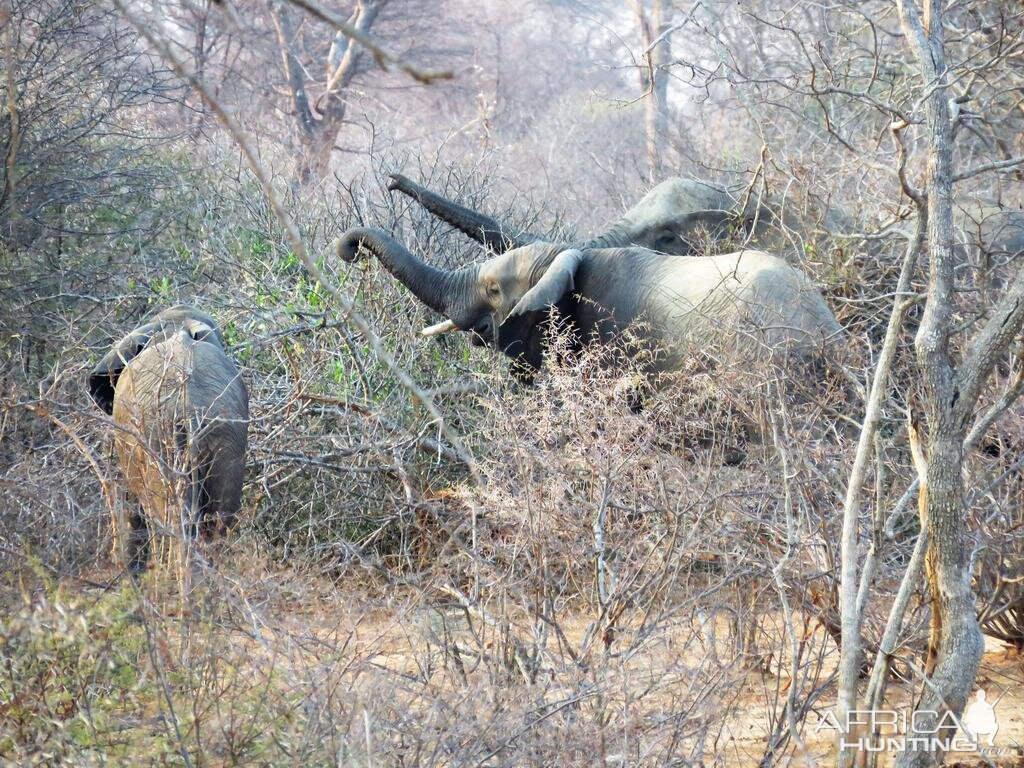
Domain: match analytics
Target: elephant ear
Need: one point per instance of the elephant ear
(522, 334)
(558, 280)
(103, 378)
(201, 331)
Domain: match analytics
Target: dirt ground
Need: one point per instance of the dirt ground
(365, 630)
(1001, 676)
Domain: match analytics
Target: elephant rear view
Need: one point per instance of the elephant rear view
(181, 411)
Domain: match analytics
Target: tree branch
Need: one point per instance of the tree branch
(382, 56)
(997, 165)
(991, 342)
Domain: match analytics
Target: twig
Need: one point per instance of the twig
(849, 665)
(382, 56)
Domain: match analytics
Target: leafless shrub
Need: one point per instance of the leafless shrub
(70, 128)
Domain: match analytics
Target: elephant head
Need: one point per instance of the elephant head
(496, 300)
(103, 378)
(674, 217)
(671, 218)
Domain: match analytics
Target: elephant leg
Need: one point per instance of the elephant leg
(137, 543)
(220, 486)
(207, 517)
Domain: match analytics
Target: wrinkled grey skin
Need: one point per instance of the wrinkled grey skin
(677, 217)
(179, 402)
(748, 303)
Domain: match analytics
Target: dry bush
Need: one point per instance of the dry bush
(607, 604)
(618, 587)
(622, 578)
(999, 538)
(75, 160)
(606, 531)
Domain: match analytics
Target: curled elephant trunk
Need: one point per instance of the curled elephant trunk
(437, 288)
(481, 228)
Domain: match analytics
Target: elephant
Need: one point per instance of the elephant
(674, 217)
(750, 303)
(181, 412)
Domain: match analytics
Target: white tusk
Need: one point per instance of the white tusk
(445, 326)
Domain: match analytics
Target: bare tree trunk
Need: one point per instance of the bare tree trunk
(654, 33)
(333, 105)
(318, 132)
(8, 211)
(293, 69)
(948, 399)
(200, 51)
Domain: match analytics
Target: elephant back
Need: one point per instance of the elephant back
(782, 311)
(752, 303)
(180, 407)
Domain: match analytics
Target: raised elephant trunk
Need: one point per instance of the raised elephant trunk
(679, 216)
(439, 289)
(481, 228)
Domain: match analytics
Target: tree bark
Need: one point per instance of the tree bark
(956, 645)
(318, 132)
(655, 35)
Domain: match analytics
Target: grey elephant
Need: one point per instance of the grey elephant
(748, 304)
(182, 412)
(677, 216)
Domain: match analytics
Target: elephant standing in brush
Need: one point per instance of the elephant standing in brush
(182, 414)
(676, 217)
(748, 304)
